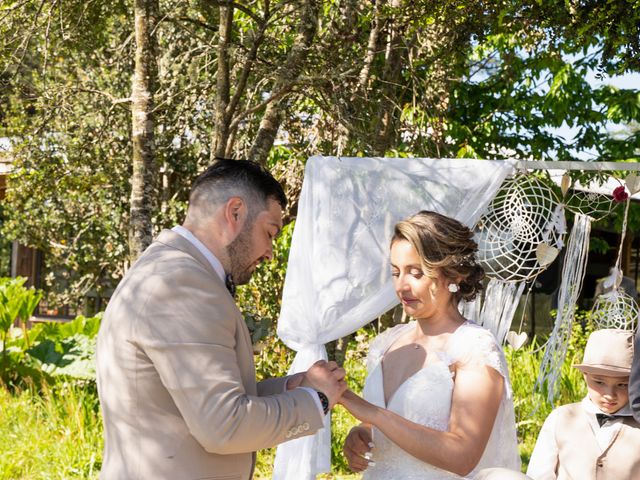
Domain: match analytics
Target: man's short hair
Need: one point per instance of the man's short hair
(243, 178)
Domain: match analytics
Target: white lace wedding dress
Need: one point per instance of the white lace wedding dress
(425, 398)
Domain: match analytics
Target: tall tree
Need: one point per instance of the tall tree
(145, 80)
(277, 81)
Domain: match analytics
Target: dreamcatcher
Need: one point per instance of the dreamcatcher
(596, 205)
(614, 309)
(522, 231)
(519, 236)
(617, 309)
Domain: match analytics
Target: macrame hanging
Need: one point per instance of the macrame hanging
(499, 306)
(573, 270)
(519, 236)
(617, 309)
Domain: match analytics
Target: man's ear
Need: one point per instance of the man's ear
(235, 214)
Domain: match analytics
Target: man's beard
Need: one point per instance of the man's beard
(239, 252)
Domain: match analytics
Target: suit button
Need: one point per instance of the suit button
(288, 434)
(600, 464)
(298, 429)
(305, 426)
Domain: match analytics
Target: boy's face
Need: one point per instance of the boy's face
(609, 394)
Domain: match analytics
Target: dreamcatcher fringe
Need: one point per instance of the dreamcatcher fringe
(573, 271)
(471, 310)
(498, 308)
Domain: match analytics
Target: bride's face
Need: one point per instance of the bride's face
(423, 294)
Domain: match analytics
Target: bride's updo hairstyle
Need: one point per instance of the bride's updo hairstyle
(445, 246)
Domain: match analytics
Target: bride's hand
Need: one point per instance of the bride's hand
(357, 448)
(357, 406)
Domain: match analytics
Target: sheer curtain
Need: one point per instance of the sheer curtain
(338, 278)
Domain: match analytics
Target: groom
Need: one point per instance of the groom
(176, 377)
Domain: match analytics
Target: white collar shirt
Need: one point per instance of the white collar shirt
(211, 258)
(604, 434)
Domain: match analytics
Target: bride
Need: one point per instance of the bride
(437, 400)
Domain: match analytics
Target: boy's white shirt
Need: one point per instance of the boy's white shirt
(545, 454)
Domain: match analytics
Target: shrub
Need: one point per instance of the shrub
(49, 350)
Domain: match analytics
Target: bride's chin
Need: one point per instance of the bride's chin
(409, 310)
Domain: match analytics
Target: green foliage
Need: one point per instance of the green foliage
(69, 141)
(435, 79)
(50, 424)
(598, 245)
(520, 88)
(17, 303)
(260, 299)
(68, 349)
(50, 352)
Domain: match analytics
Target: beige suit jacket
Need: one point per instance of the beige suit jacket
(176, 376)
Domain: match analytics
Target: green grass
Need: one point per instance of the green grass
(52, 434)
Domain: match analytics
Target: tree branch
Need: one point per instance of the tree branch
(234, 5)
(286, 77)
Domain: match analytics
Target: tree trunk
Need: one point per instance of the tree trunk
(388, 112)
(221, 132)
(372, 47)
(144, 86)
(285, 79)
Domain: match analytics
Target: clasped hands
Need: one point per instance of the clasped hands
(329, 378)
(326, 377)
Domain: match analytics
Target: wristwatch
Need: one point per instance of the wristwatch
(324, 401)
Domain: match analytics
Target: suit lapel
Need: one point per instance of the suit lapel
(177, 241)
(244, 348)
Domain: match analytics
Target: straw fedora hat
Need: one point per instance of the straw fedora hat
(609, 352)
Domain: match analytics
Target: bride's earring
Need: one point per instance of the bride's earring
(453, 287)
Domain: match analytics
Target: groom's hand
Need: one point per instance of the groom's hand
(328, 378)
(357, 449)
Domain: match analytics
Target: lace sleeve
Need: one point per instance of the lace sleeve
(473, 345)
(381, 343)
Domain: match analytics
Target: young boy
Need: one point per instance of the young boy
(596, 438)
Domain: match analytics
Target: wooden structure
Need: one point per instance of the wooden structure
(5, 169)
(25, 261)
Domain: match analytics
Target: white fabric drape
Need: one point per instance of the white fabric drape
(338, 278)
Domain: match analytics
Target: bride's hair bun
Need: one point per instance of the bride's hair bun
(445, 246)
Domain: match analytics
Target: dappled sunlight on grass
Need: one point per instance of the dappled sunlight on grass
(54, 435)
